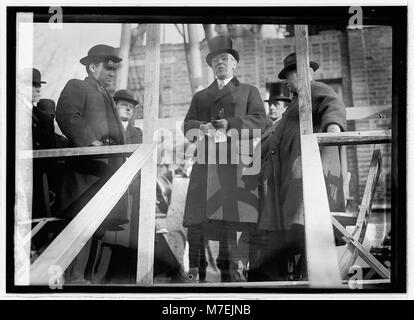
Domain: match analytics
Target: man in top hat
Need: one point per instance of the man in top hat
(281, 217)
(278, 100)
(87, 116)
(218, 198)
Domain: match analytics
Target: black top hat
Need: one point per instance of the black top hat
(278, 91)
(99, 53)
(290, 64)
(126, 96)
(219, 45)
(46, 106)
(36, 77)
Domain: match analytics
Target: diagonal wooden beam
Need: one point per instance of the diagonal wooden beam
(363, 252)
(351, 253)
(321, 254)
(71, 240)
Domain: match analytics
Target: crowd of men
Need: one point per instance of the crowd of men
(257, 219)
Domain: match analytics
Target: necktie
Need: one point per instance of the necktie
(221, 85)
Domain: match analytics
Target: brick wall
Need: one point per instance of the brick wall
(370, 56)
(359, 61)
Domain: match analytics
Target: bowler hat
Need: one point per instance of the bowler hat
(126, 96)
(99, 53)
(278, 91)
(36, 77)
(289, 64)
(221, 44)
(46, 106)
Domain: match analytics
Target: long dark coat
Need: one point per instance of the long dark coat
(281, 174)
(220, 192)
(85, 112)
(43, 137)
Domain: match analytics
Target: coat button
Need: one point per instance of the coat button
(273, 152)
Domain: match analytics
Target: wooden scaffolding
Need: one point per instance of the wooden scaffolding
(325, 269)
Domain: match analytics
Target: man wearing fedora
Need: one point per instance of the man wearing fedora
(220, 201)
(281, 217)
(87, 116)
(125, 106)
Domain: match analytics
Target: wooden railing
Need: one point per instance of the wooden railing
(71, 240)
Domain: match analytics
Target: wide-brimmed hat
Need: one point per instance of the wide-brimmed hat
(125, 96)
(36, 77)
(221, 44)
(99, 53)
(278, 91)
(47, 106)
(289, 64)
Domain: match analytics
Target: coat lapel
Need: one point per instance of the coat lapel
(110, 102)
(219, 94)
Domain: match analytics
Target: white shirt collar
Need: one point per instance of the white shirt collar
(125, 124)
(225, 81)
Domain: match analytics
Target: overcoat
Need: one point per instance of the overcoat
(43, 137)
(86, 112)
(219, 192)
(281, 197)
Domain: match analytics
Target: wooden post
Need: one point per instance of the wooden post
(23, 134)
(304, 87)
(146, 229)
(122, 72)
(195, 58)
(322, 260)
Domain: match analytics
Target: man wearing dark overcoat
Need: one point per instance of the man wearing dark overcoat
(86, 115)
(281, 199)
(219, 198)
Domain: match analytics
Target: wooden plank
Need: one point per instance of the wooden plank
(71, 240)
(364, 253)
(93, 152)
(354, 137)
(323, 268)
(360, 113)
(304, 87)
(146, 228)
(351, 253)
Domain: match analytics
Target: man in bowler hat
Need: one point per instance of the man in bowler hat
(281, 196)
(86, 115)
(219, 201)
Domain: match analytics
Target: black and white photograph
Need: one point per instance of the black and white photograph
(206, 149)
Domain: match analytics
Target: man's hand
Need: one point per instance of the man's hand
(220, 124)
(96, 143)
(205, 127)
(333, 128)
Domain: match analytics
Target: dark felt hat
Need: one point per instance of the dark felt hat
(126, 96)
(46, 106)
(278, 91)
(221, 44)
(289, 64)
(99, 53)
(36, 77)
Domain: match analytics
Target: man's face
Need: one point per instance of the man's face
(292, 80)
(223, 65)
(104, 73)
(276, 109)
(35, 93)
(125, 110)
